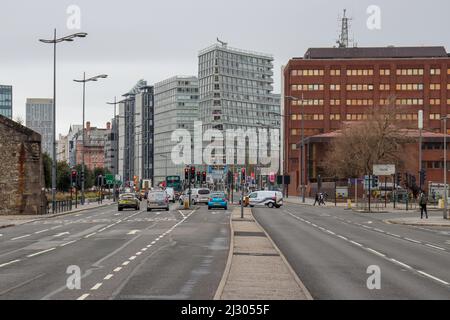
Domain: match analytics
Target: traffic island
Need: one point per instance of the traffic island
(433, 221)
(256, 269)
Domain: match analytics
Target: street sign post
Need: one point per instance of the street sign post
(383, 169)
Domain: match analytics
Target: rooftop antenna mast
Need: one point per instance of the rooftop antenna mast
(343, 38)
(224, 44)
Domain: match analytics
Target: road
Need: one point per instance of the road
(127, 255)
(331, 248)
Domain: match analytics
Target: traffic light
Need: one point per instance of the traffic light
(374, 182)
(136, 182)
(204, 177)
(199, 177)
(193, 174)
(82, 176)
(186, 174)
(398, 178)
(423, 177)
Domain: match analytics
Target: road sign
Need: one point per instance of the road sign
(109, 178)
(383, 169)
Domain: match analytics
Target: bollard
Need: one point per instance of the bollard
(349, 203)
(441, 203)
(186, 203)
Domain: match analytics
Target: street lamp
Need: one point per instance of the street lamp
(445, 166)
(84, 80)
(54, 41)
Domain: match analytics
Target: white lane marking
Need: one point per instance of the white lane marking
(358, 244)
(369, 221)
(84, 296)
(77, 215)
(379, 230)
(376, 252)
(315, 225)
(330, 232)
(55, 227)
(117, 269)
(153, 242)
(412, 240)
(181, 213)
(8, 263)
(433, 277)
(132, 258)
(1, 235)
(90, 235)
(125, 263)
(133, 231)
(109, 276)
(401, 263)
(40, 252)
(436, 247)
(393, 234)
(342, 237)
(144, 249)
(21, 237)
(61, 234)
(138, 253)
(37, 232)
(67, 243)
(98, 285)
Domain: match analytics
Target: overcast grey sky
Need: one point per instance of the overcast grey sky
(153, 40)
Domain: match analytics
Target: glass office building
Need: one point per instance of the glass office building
(6, 101)
(39, 117)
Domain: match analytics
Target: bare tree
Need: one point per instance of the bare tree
(377, 139)
(19, 120)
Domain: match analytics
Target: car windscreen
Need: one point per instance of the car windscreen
(217, 195)
(203, 191)
(126, 196)
(158, 195)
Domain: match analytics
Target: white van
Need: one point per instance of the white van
(200, 195)
(266, 198)
(171, 193)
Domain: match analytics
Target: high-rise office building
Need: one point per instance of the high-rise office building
(236, 90)
(6, 101)
(176, 107)
(39, 117)
(135, 133)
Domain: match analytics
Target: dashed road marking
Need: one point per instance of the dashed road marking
(8, 263)
(376, 252)
(21, 237)
(436, 247)
(109, 276)
(117, 269)
(133, 231)
(98, 285)
(401, 263)
(90, 235)
(84, 296)
(37, 232)
(67, 243)
(342, 237)
(132, 258)
(393, 234)
(379, 230)
(125, 263)
(40, 252)
(356, 243)
(412, 240)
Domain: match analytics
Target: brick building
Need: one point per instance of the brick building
(94, 150)
(21, 178)
(340, 84)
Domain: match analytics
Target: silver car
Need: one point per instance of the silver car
(157, 200)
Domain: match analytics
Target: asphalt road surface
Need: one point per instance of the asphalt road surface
(120, 255)
(331, 249)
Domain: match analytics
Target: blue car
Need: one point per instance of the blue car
(218, 200)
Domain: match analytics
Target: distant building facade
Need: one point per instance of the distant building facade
(94, 146)
(6, 101)
(39, 117)
(176, 107)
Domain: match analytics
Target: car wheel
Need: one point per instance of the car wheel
(226, 208)
(167, 209)
(148, 209)
(270, 204)
(209, 208)
(120, 209)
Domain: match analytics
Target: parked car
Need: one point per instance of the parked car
(266, 198)
(128, 200)
(157, 200)
(218, 199)
(200, 195)
(171, 193)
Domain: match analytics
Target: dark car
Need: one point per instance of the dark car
(128, 200)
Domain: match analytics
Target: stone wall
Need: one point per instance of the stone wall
(21, 170)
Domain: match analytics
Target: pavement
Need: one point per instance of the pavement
(14, 220)
(399, 212)
(102, 254)
(337, 253)
(256, 269)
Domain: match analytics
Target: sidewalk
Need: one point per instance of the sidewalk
(256, 269)
(14, 220)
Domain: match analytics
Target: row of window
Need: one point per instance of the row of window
(367, 87)
(364, 102)
(308, 102)
(409, 86)
(359, 102)
(359, 87)
(367, 72)
(356, 116)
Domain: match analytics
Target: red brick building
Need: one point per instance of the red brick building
(94, 152)
(340, 84)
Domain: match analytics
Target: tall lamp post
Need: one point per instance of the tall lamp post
(83, 81)
(445, 166)
(54, 41)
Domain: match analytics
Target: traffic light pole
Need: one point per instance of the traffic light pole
(394, 189)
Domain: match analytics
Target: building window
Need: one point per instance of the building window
(435, 71)
(335, 116)
(408, 86)
(359, 87)
(409, 102)
(435, 86)
(435, 101)
(335, 87)
(294, 132)
(409, 72)
(385, 72)
(435, 116)
(359, 72)
(293, 146)
(385, 87)
(335, 102)
(335, 72)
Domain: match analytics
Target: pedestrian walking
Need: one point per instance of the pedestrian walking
(316, 200)
(423, 204)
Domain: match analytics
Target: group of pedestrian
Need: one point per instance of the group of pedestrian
(320, 198)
